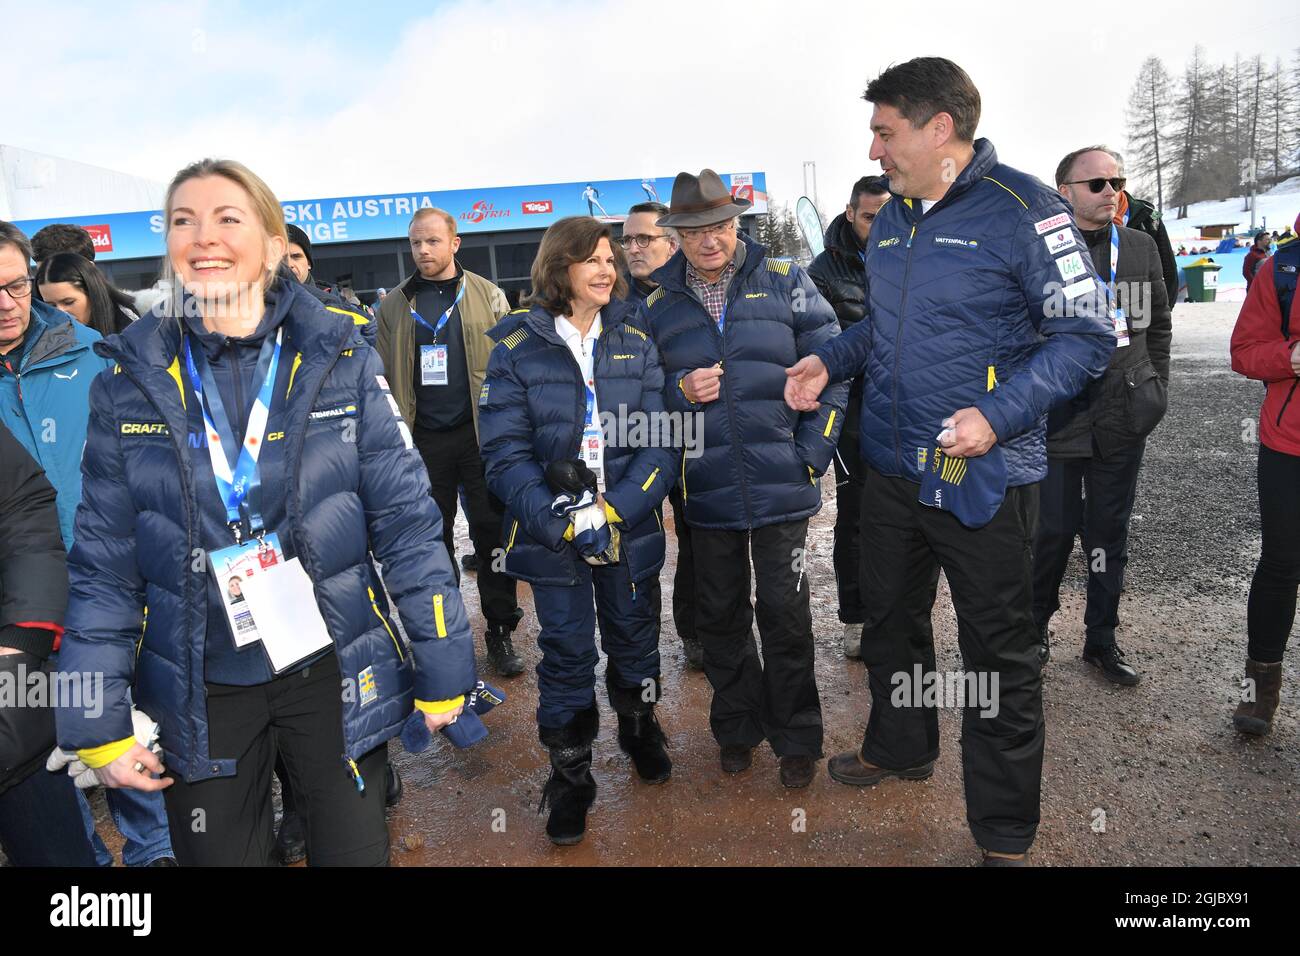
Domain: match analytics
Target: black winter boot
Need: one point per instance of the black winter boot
(571, 789)
(501, 651)
(639, 733)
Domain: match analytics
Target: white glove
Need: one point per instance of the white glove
(143, 726)
(82, 776)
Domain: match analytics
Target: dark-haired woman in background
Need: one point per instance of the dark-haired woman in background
(75, 285)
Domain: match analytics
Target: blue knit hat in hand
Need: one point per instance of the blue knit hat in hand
(971, 488)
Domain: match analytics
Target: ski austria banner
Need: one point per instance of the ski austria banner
(138, 235)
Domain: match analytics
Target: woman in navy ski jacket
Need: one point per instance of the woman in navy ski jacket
(566, 368)
(336, 480)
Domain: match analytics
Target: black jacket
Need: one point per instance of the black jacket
(1144, 217)
(1127, 402)
(839, 274)
(33, 589)
(33, 562)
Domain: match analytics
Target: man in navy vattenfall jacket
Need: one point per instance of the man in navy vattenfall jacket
(983, 311)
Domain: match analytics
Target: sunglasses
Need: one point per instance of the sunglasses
(1098, 184)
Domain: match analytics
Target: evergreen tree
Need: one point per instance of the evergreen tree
(1149, 107)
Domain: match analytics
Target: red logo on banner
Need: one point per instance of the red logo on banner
(484, 210)
(742, 192)
(542, 205)
(101, 236)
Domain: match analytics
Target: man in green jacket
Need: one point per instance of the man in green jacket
(434, 345)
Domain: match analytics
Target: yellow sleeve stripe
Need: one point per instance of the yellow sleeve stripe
(174, 370)
(1008, 189)
(568, 532)
(357, 318)
(830, 423)
(611, 515)
(297, 360)
(649, 481)
(654, 296)
(993, 378)
(439, 706)
(96, 757)
(438, 616)
(780, 268)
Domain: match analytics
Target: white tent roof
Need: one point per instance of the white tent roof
(37, 186)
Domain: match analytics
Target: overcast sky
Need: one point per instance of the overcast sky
(332, 98)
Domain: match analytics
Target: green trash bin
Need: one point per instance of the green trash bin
(1202, 280)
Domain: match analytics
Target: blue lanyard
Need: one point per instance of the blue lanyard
(445, 316)
(1114, 269)
(237, 476)
(591, 405)
(722, 316)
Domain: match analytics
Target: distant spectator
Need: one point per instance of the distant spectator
(75, 285)
(62, 237)
(1257, 254)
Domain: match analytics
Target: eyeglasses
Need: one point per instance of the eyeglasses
(702, 232)
(641, 241)
(19, 288)
(1098, 184)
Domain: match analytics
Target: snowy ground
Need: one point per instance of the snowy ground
(1146, 775)
(1275, 209)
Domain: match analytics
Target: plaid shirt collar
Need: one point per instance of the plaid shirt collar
(712, 294)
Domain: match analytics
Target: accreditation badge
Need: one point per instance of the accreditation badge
(433, 365)
(233, 568)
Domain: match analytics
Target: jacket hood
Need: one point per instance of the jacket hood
(52, 334)
(155, 339)
(542, 321)
(841, 238)
(1140, 211)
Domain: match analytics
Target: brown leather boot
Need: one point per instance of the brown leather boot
(1255, 717)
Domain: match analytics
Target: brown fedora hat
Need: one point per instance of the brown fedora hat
(701, 201)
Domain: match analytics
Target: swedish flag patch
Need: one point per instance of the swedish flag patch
(366, 684)
(483, 394)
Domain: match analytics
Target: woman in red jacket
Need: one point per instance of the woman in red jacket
(1267, 347)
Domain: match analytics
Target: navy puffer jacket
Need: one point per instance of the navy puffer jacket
(988, 300)
(761, 459)
(337, 464)
(531, 413)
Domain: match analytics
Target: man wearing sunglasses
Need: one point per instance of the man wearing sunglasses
(1095, 441)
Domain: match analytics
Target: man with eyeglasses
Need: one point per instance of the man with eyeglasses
(46, 367)
(647, 246)
(840, 276)
(1095, 441)
(727, 319)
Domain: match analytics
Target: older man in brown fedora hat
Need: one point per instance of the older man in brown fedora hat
(727, 319)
